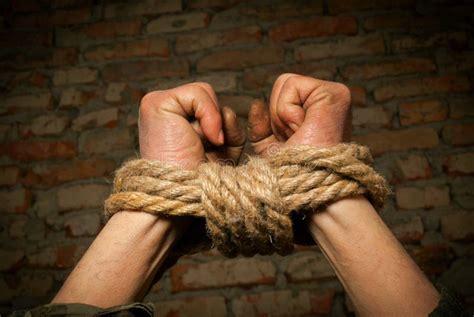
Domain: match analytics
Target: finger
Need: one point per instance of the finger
(260, 131)
(259, 121)
(233, 133)
(197, 102)
(282, 130)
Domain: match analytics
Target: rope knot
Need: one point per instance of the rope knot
(248, 208)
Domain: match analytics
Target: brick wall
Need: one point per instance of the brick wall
(73, 72)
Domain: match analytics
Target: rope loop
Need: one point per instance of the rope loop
(248, 207)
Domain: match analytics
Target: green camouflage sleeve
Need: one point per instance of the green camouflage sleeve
(82, 310)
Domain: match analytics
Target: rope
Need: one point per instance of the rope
(248, 208)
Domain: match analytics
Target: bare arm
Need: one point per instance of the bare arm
(122, 262)
(375, 270)
(377, 273)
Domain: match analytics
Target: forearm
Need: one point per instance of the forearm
(379, 276)
(121, 263)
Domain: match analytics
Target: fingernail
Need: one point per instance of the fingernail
(293, 126)
(221, 137)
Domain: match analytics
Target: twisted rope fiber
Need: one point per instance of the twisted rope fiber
(247, 208)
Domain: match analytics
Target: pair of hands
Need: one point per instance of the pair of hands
(186, 125)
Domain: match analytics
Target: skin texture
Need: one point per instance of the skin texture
(376, 272)
(182, 126)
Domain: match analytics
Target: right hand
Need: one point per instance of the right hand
(303, 110)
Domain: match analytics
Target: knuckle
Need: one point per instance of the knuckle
(344, 92)
(285, 76)
(149, 101)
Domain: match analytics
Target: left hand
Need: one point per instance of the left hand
(186, 126)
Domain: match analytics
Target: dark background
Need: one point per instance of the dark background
(73, 72)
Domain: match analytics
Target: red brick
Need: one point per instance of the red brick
(458, 226)
(460, 164)
(358, 96)
(461, 61)
(235, 272)
(53, 18)
(15, 201)
(432, 259)
(105, 117)
(349, 46)
(428, 197)
(26, 39)
(241, 58)
(39, 150)
(106, 141)
(413, 167)
(69, 3)
(371, 117)
(284, 303)
(307, 267)
(11, 260)
(46, 125)
(124, 50)
(398, 21)
(424, 111)
(370, 70)
(188, 43)
(409, 43)
(153, 7)
(39, 58)
(34, 78)
(203, 4)
(72, 97)
(145, 70)
(273, 11)
(43, 258)
(9, 175)
(318, 27)
(192, 306)
(421, 86)
(408, 230)
(461, 108)
(77, 75)
(54, 174)
(459, 134)
(82, 225)
(389, 141)
(112, 29)
(336, 6)
(24, 103)
(257, 78)
(84, 196)
(65, 256)
(178, 23)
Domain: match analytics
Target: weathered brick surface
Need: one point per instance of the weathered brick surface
(458, 226)
(402, 140)
(308, 267)
(74, 72)
(460, 164)
(194, 306)
(361, 45)
(284, 303)
(239, 272)
(423, 86)
(193, 42)
(459, 134)
(422, 112)
(428, 197)
(325, 26)
(78, 197)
